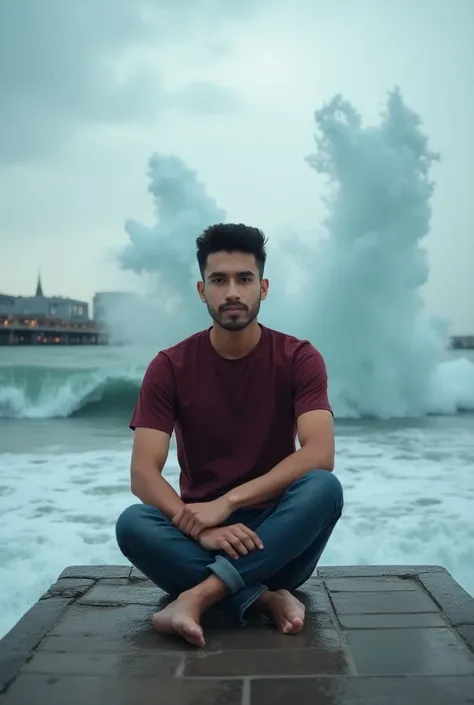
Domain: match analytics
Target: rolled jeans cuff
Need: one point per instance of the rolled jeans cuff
(228, 574)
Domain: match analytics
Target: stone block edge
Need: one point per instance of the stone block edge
(19, 643)
(452, 599)
(436, 580)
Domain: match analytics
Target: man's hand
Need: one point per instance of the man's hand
(235, 540)
(194, 518)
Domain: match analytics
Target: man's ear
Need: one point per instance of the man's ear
(200, 290)
(264, 286)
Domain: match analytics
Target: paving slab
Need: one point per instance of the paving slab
(362, 691)
(76, 690)
(467, 633)
(69, 587)
(96, 572)
(374, 635)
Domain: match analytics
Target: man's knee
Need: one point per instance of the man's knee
(130, 524)
(126, 524)
(323, 487)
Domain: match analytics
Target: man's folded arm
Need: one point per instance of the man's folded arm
(153, 422)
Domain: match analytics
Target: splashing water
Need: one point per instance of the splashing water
(167, 251)
(359, 295)
(381, 351)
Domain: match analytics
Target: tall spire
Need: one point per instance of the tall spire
(39, 287)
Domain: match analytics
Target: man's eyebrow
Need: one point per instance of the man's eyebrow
(245, 273)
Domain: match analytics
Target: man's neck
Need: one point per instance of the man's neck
(233, 345)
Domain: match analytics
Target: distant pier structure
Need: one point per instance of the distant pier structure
(27, 330)
(47, 320)
(462, 342)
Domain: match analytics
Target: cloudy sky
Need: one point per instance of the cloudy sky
(89, 90)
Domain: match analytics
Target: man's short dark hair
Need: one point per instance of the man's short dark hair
(231, 237)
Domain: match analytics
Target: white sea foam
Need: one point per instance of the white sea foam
(409, 496)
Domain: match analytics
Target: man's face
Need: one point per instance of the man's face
(232, 289)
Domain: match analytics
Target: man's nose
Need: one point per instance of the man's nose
(232, 293)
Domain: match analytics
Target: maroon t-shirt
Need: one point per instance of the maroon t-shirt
(234, 420)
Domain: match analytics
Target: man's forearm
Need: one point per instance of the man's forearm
(278, 479)
(153, 489)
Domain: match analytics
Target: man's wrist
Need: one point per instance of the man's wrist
(231, 500)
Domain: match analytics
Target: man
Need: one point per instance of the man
(254, 514)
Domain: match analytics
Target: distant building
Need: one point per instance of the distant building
(7, 304)
(41, 305)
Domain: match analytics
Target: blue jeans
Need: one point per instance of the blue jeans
(294, 533)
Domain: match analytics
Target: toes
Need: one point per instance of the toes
(292, 625)
(297, 623)
(193, 634)
(286, 626)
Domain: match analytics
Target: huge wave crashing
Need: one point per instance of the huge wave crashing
(41, 393)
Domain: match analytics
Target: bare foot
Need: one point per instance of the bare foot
(286, 610)
(181, 617)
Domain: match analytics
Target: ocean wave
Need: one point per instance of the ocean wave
(35, 392)
(41, 393)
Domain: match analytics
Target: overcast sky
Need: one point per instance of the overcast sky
(90, 89)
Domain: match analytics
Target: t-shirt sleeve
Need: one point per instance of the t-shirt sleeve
(156, 404)
(310, 381)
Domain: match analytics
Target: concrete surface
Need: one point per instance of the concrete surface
(375, 635)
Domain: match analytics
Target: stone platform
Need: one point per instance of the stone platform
(375, 635)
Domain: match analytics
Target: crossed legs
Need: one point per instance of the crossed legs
(294, 533)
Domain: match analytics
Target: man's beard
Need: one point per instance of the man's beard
(237, 323)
